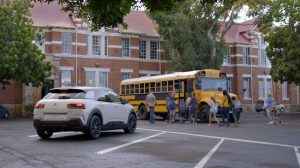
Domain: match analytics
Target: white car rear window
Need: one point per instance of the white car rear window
(70, 94)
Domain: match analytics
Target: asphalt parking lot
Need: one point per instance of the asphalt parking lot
(252, 144)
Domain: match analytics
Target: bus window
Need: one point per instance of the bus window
(157, 86)
(190, 87)
(142, 88)
(146, 87)
(127, 89)
(170, 86)
(164, 86)
(123, 89)
(177, 85)
(131, 89)
(152, 85)
(137, 88)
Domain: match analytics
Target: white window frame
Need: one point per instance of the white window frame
(96, 45)
(263, 57)
(154, 47)
(63, 73)
(227, 57)
(284, 86)
(247, 86)
(98, 72)
(261, 87)
(126, 47)
(143, 49)
(66, 40)
(229, 83)
(246, 55)
(86, 79)
(126, 75)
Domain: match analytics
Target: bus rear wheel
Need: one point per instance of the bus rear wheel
(204, 113)
(143, 114)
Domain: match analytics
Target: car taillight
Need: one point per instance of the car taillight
(39, 106)
(76, 106)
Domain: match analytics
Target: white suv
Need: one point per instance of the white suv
(87, 109)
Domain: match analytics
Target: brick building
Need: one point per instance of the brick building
(104, 58)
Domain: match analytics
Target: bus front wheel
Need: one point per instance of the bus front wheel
(204, 113)
(143, 114)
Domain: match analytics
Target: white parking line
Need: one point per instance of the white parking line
(225, 138)
(127, 144)
(204, 160)
(297, 155)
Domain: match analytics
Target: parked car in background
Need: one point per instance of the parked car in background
(4, 113)
(259, 106)
(87, 109)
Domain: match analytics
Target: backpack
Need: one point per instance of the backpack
(172, 105)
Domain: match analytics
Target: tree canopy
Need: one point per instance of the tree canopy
(110, 13)
(20, 58)
(192, 33)
(280, 22)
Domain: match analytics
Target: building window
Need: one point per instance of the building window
(269, 88)
(126, 75)
(153, 49)
(263, 58)
(261, 88)
(246, 53)
(247, 87)
(103, 79)
(229, 84)
(142, 53)
(143, 75)
(66, 40)
(284, 90)
(125, 47)
(226, 59)
(90, 77)
(66, 78)
(96, 45)
(106, 46)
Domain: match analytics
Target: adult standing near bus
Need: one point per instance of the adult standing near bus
(187, 105)
(269, 107)
(151, 104)
(168, 98)
(193, 106)
(226, 102)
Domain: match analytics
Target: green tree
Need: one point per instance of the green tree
(192, 31)
(20, 58)
(109, 13)
(280, 22)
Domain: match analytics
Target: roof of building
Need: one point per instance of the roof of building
(51, 15)
(236, 33)
(140, 23)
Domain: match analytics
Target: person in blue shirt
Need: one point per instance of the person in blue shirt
(182, 110)
(268, 107)
(236, 111)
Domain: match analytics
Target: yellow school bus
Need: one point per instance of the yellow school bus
(204, 83)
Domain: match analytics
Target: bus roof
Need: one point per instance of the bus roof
(173, 76)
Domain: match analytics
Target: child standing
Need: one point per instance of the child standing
(213, 111)
(236, 111)
(182, 110)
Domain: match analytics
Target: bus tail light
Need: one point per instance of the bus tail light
(76, 106)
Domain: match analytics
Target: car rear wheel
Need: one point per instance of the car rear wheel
(44, 134)
(94, 129)
(143, 114)
(131, 124)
